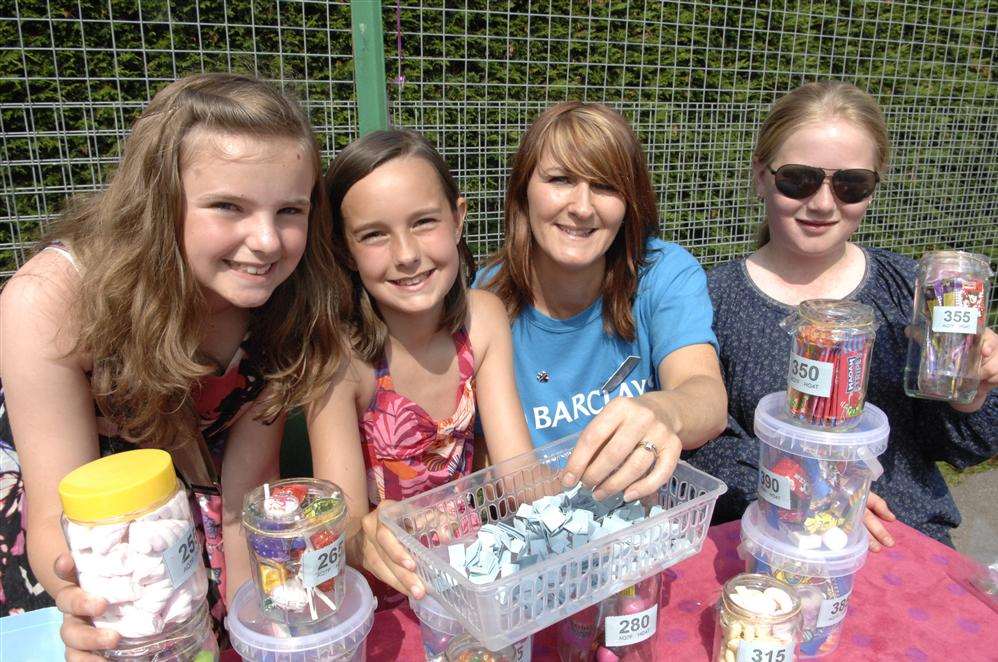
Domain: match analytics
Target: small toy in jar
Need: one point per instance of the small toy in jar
(829, 362)
(128, 523)
(629, 623)
(947, 327)
(758, 617)
(467, 649)
(295, 532)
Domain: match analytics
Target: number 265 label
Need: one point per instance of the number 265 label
(321, 565)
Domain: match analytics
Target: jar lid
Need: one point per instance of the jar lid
(957, 259)
(293, 507)
(837, 313)
(256, 637)
(760, 583)
(118, 485)
(864, 442)
(784, 557)
(432, 613)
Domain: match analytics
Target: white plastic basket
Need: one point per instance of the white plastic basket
(536, 596)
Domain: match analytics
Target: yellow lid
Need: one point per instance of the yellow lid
(117, 485)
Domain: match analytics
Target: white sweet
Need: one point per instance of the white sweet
(784, 603)
(113, 589)
(106, 536)
(806, 540)
(290, 595)
(178, 608)
(835, 538)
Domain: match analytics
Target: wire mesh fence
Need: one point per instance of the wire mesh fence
(694, 78)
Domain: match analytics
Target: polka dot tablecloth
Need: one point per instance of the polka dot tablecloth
(909, 603)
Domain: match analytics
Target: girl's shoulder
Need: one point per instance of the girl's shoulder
(486, 318)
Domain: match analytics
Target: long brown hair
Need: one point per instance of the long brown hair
(592, 142)
(357, 160)
(813, 103)
(141, 311)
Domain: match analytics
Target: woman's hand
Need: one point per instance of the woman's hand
(384, 556)
(77, 607)
(878, 512)
(632, 445)
(988, 373)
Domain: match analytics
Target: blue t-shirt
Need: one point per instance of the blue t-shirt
(561, 365)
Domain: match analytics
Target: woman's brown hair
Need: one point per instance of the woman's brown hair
(357, 160)
(813, 103)
(142, 313)
(594, 143)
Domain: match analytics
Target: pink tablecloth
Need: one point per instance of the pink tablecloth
(908, 603)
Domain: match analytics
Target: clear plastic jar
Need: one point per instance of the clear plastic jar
(947, 327)
(128, 523)
(829, 362)
(629, 623)
(746, 631)
(294, 529)
(467, 649)
(190, 641)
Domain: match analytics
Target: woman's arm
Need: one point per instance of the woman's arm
(690, 409)
(498, 404)
(51, 411)
(251, 459)
(334, 435)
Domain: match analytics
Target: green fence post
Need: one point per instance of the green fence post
(369, 65)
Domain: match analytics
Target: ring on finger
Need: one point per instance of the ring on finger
(649, 446)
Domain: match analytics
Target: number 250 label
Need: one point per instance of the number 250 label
(182, 557)
(321, 565)
(753, 651)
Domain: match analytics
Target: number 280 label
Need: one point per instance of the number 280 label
(631, 628)
(754, 651)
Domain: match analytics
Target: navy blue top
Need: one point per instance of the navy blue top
(754, 351)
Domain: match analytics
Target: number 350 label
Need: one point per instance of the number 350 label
(632, 628)
(321, 565)
(182, 556)
(754, 651)
(811, 377)
(954, 319)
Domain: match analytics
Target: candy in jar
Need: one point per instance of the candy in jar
(629, 623)
(829, 362)
(128, 523)
(190, 641)
(758, 617)
(947, 328)
(466, 649)
(295, 532)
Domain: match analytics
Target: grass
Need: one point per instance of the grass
(955, 476)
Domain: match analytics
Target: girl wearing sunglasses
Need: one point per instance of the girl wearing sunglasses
(817, 164)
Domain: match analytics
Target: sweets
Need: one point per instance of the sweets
(629, 622)
(829, 362)
(294, 529)
(758, 618)
(466, 649)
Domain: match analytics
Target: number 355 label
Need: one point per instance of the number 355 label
(632, 628)
(954, 319)
(754, 651)
(182, 556)
(321, 565)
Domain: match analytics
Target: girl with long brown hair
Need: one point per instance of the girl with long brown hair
(187, 307)
(601, 307)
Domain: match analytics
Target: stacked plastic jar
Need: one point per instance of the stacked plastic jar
(806, 528)
(295, 532)
(439, 629)
(128, 523)
(758, 618)
(947, 328)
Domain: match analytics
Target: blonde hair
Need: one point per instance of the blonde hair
(814, 103)
(357, 160)
(142, 312)
(594, 143)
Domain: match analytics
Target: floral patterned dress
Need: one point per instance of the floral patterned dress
(406, 451)
(219, 401)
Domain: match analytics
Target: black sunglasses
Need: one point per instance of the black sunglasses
(800, 181)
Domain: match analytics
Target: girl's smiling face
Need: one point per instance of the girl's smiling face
(821, 223)
(403, 236)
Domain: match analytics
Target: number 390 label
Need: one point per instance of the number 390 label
(754, 651)
(774, 488)
(321, 565)
(954, 319)
(811, 377)
(832, 611)
(631, 628)
(182, 556)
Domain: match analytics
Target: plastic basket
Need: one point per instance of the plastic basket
(516, 606)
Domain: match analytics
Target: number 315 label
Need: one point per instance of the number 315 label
(631, 628)
(321, 565)
(754, 651)
(954, 319)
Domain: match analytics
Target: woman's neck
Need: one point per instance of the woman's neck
(561, 294)
(791, 277)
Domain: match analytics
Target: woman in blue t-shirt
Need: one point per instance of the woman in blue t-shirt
(816, 166)
(600, 307)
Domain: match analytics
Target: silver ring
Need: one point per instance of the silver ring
(649, 446)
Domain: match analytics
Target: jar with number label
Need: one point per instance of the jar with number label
(947, 327)
(127, 520)
(823, 580)
(190, 641)
(439, 628)
(467, 649)
(829, 362)
(294, 529)
(630, 622)
(758, 620)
